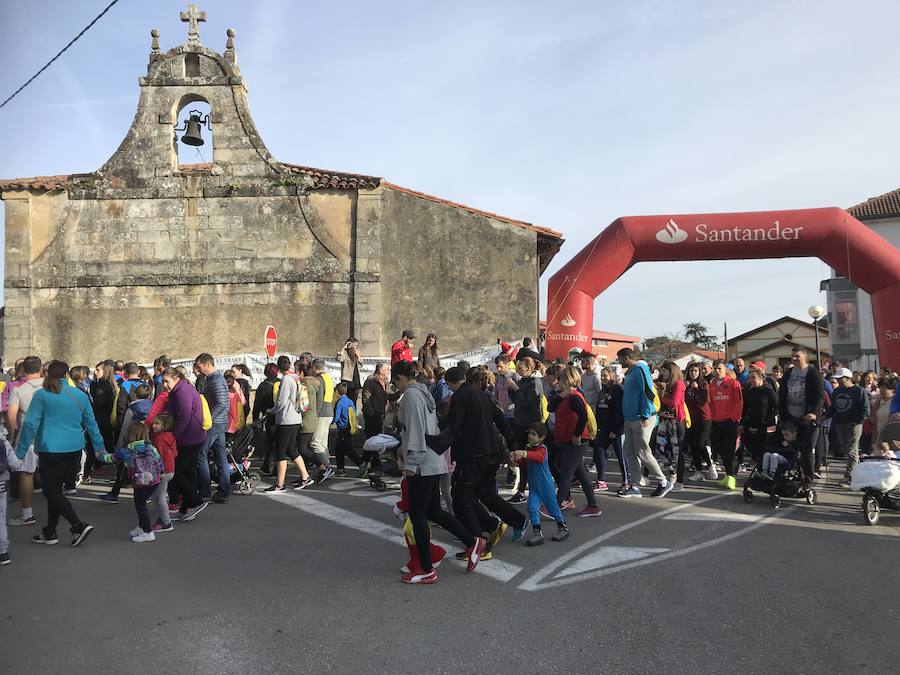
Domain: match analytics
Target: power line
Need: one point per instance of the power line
(34, 77)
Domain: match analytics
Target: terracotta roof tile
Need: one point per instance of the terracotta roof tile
(883, 206)
(40, 183)
(504, 219)
(323, 179)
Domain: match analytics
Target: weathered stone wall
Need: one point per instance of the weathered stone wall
(464, 276)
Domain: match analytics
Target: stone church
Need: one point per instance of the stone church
(147, 256)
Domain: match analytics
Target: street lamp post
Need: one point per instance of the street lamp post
(816, 312)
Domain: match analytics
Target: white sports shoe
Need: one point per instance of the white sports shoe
(712, 474)
(677, 487)
(696, 477)
(144, 536)
(135, 532)
(643, 482)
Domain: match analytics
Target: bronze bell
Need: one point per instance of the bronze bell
(192, 133)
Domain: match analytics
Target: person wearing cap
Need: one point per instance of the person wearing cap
(769, 379)
(401, 350)
(850, 406)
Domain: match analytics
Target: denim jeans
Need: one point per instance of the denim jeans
(215, 442)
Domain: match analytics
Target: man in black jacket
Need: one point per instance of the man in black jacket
(473, 422)
(801, 398)
(850, 406)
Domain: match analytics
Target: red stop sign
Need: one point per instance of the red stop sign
(271, 340)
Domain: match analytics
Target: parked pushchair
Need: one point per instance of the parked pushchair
(240, 449)
(788, 482)
(382, 444)
(878, 479)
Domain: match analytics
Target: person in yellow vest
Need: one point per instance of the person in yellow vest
(319, 442)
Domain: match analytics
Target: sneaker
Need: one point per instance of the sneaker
(110, 498)
(363, 469)
(174, 508)
(473, 553)
(696, 477)
(643, 482)
(723, 482)
(135, 532)
(162, 527)
(661, 491)
(220, 499)
(589, 512)
(190, 514)
(844, 484)
(143, 536)
(510, 478)
(70, 491)
(4, 559)
(419, 577)
(601, 486)
(461, 555)
(275, 488)
(712, 474)
(45, 537)
(545, 513)
(518, 498)
(80, 532)
(677, 487)
(303, 484)
(325, 475)
(340, 473)
(633, 491)
(22, 520)
(567, 505)
(576, 487)
(536, 540)
(497, 535)
(487, 555)
(562, 534)
(518, 534)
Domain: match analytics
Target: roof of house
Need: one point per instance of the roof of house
(604, 335)
(882, 206)
(795, 320)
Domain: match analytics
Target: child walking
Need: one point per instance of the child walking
(345, 421)
(144, 467)
(164, 441)
(540, 487)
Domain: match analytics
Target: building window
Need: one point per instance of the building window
(600, 343)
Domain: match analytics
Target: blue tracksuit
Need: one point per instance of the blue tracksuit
(540, 486)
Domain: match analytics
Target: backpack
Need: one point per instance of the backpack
(591, 425)
(207, 415)
(146, 466)
(652, 395)
(351, 415)
(545, 409)
(301, 403)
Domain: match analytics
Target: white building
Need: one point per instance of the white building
(849, 308)
(773, 342)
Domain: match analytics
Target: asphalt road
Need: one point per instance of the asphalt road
(697, 582)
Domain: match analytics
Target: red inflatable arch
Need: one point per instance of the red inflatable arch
(831, 234)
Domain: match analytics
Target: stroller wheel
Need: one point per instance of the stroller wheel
(244, 488)
(748, 494)
(379, 485)
(811, 497)
(776, 501)
(870, 509)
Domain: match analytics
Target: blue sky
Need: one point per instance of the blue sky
(565, 114)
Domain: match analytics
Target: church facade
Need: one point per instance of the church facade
(147, 255)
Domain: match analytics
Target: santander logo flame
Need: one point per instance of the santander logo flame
(568, 321)
(671, 233)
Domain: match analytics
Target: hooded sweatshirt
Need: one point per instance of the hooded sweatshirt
(57, 422)
(418, 417)
(285, 410)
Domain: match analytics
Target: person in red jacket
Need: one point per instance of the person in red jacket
(726, 405)
(401, 350)
(164, 442)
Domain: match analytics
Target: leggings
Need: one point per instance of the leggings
(571, 465)
(185, 479)
(603, 443)
(424, 506)
(162, 499)
(55, 468)
(680, 432)
(723, 436)
(697, 438)
(141, 495)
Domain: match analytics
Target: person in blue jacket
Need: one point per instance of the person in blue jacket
(61, 413)
(344, 445)
(541, 489)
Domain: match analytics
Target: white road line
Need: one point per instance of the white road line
(390, 499)
(715, 516)
(608, 556)
(496, 569)
(531, 583)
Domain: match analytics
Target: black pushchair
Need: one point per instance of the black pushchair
(788, 482)
(240, 448)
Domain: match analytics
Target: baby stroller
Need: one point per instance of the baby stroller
(787, 483)
(380, 444)
(879, 480)
(240, 449)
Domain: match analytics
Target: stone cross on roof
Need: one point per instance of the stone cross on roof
(192, 17)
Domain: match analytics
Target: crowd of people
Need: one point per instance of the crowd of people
(547, 425)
